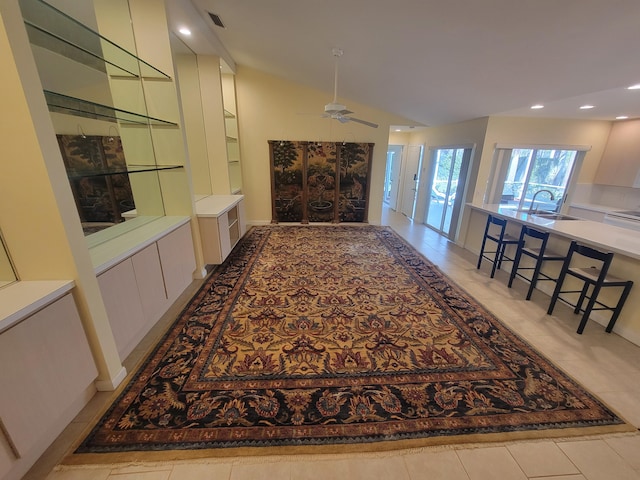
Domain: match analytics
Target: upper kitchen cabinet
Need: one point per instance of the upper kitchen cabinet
(620, 164)
(114, 113)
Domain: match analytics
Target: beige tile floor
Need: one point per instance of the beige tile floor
(605, 363)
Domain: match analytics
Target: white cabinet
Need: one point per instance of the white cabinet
(620, 164)
(140, 289)
(222, 224)
(150, 280)
(122, 303)
(177, 260)
(47, 367)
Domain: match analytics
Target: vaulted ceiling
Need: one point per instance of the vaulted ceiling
(440, 61)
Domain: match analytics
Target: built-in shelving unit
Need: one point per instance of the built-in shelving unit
(105, 172)
(106, 87)
(60, 103)
(231, 132)
(52, 29)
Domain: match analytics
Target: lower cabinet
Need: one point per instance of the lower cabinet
(177, 261)
(222, 224)
(47, 377)
(139, 290)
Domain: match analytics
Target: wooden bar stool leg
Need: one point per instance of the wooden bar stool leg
(583, 294)
(514, 269)
(495, 263)
(484, 241)
(556, 291)
(587, 310)
(616, 312)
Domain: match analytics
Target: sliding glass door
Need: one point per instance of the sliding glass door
(448, 175)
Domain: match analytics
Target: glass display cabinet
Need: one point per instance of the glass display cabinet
(98, 93)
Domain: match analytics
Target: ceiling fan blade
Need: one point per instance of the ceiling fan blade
(363, 122)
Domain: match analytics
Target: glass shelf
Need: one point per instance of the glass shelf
(105, 172)
(52, 29)
(232, 139)
(83, 108)
(228, 114)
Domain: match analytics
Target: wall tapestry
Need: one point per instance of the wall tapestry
(319, 181)
(97, 172)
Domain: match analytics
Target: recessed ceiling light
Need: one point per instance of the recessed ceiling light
(185, 31)
(586, 107)
(622, 117)
(634, 87)
(537, 106)
(398, 130)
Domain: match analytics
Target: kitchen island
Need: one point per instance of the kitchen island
(623, 242)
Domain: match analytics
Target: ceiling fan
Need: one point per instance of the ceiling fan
(336, 110)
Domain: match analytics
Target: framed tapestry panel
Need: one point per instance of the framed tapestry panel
(319, 181)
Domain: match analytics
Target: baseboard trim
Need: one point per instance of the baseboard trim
(111, 384)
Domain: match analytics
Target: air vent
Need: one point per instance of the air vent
(216, 19)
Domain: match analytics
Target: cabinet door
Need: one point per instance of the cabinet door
(46, 368)
(210, 236)
(150, 283)
(178, 260)
(122, 303)
(242, 221)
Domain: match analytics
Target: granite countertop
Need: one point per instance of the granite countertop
(608, 237)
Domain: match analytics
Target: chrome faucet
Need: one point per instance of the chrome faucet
(533, 201)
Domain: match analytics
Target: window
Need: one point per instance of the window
(521, 175)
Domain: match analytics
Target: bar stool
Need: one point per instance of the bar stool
(538, 253)
(591, 276)
(496, 234)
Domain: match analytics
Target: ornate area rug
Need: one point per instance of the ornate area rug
(342, 337)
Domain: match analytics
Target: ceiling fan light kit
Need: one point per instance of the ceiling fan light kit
(336, 110)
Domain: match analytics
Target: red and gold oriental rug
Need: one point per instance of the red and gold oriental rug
(342, 336)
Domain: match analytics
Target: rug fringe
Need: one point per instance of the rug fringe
(278, 458)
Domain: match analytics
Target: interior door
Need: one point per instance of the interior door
(411, 180)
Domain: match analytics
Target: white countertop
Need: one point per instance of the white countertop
(111, 252)
(216, 205)
(607, 237)
(21, 299)
(595, 208)
(617, 211)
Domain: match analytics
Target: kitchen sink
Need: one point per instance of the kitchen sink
(546, 214)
